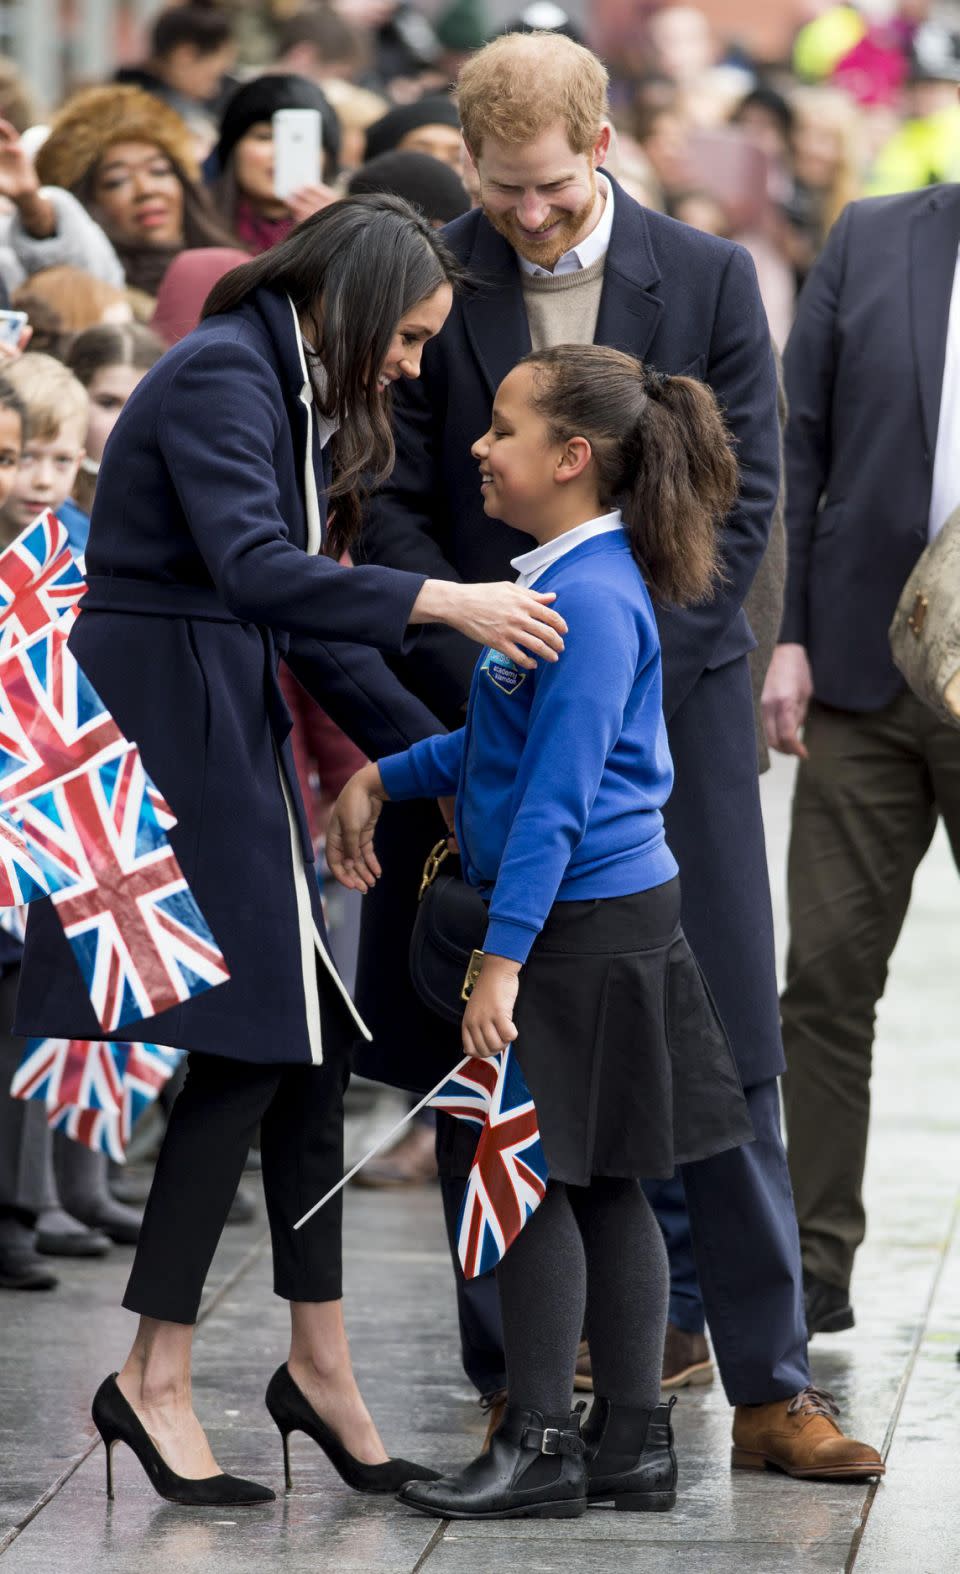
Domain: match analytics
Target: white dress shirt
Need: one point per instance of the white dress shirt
(588, 250)
(945, 496)
(530, 565)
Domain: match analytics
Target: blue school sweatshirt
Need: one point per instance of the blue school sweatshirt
(560, 772)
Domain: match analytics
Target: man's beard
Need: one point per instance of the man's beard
(545, 253)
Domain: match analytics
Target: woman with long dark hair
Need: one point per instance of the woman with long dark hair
(208, 559)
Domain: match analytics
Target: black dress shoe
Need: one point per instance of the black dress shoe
(118, 1422)
(630, 1457)
(827, 1307)
(293, 1412)
(534, 1469)
(73, 1243)
(22, 1269)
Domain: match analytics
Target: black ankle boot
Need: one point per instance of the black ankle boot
(630, 1457)
(534, 1469)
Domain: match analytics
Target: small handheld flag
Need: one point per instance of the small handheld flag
(509, 1176)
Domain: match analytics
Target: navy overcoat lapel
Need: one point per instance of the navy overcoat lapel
(934, 237)
(630, 308)
(272, 310)
(494, 315)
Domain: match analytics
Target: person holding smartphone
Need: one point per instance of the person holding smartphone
(278, 150)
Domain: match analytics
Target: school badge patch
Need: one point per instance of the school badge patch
(504, 672)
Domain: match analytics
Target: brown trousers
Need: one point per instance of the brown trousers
(865, 809)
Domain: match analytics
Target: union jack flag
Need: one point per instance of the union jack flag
(141, 941)
(84, 1073)
(98, 1129)
(149, 1066)
(52, 720)
(21, 878)
(40, 582)
(509, 1175)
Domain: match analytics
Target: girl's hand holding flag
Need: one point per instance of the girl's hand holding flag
(488, 1025)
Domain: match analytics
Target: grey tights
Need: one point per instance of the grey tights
(594, 1250)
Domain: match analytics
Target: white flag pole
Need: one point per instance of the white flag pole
(385, 1139)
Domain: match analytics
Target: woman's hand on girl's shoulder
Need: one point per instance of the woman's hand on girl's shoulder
(508, 618)
(349, 846)
(488, 1025)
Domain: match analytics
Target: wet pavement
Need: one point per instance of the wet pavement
(896, 1375)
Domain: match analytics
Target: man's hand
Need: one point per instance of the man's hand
(488, 1024)
(349, 846)
(787, 693)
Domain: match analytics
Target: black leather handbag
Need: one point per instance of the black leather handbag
(445, 955)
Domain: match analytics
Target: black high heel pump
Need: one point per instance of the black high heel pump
(117, 1422)
(292, 1412)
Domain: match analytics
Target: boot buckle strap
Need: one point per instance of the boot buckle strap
(551, 1440)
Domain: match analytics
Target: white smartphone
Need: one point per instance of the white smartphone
(296, 150)
(12, 325)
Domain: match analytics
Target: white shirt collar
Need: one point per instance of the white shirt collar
(530, 565)
(587, 251)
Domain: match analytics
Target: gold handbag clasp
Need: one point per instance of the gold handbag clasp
(472, 974)
(432, 867)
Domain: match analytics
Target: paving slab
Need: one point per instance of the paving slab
(894, 1374)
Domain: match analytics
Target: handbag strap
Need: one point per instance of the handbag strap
(432, 867)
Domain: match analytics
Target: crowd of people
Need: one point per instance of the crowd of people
(146, 205)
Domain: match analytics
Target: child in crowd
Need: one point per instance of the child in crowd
(21, 1267)
(109, 360)
(54, 1197)
(622, 477)
(57, 411)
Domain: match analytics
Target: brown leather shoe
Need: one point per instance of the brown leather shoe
(800, 1437)
(410, 1162)
(686, 1360)
(583, 1376)
(493, 1406)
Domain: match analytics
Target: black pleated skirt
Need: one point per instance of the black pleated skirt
(621, 1045)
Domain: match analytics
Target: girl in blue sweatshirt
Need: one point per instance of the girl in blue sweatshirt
(622, 477)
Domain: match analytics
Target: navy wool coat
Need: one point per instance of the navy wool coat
(203, 571)
(686, 303)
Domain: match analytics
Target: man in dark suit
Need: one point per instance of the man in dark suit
(560, 252)
(873, 472)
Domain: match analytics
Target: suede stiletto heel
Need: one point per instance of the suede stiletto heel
(118, 1422)
(291, 1411)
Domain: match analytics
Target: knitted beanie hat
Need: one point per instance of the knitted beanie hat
(425, 182)
(434, 110)
(260, 99)
(93, 121)
(464, 25)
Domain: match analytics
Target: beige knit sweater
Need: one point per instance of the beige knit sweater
(562, 308)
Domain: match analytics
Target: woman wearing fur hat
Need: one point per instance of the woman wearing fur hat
(244, 188)
(130, 160)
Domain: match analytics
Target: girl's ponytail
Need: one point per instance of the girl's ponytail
(680, 483)
(662, 454)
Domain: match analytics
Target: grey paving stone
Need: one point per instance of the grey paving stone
(400, 1312)
(456, 1554)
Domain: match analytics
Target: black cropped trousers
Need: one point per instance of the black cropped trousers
(299, 1110)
